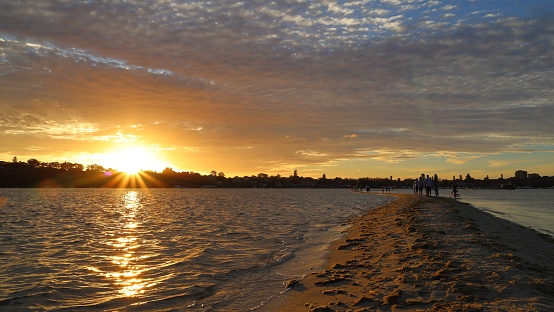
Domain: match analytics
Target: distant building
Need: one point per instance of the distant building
(534, 176)
(521, 174)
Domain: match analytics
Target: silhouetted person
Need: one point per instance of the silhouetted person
(455, 191)
(436, 185)
(428, 186)
(420, 184)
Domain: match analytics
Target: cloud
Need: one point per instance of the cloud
(353, 135)
(296, 79)
(498, 163)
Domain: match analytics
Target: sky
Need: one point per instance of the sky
(362, 88)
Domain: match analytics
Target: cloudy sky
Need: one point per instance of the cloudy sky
(367, 88)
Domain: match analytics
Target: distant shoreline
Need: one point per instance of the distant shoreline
(37, 174)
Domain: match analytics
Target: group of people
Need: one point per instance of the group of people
(355, 188)
(427, 183)
(361, 188)
(420, 183)
(430, 184)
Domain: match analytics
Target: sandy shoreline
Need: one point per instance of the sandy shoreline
(428, 254)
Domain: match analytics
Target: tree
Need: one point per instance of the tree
(66, 165)
(96, 168)
(14, 159)
(78, 167)
(54, 165)
(33, 163)
(168, 171)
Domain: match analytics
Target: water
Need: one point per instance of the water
(163, 249)
(528, 207)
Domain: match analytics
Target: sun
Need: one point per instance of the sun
(133, 159)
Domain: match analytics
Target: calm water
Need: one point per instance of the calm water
(163, 249)
(529, 207)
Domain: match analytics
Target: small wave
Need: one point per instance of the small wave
(22, 297)
(191, 294)
(238, 233)
(278, 257)
(493, 211)
(547, 234)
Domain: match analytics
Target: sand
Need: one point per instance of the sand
(430, 254)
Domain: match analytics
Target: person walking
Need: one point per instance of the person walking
(436, 185)
(420, 185)
(455, 190)
(428, 186)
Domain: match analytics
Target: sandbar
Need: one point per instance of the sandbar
(429, 254)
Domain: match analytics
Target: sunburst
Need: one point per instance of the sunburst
(133, 159)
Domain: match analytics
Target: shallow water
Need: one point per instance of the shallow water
(163, 249)
(528, 207)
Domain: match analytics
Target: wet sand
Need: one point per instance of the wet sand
(429, 254)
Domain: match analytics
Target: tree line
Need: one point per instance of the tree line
(34, 173)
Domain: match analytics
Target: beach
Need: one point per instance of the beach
(429, 254)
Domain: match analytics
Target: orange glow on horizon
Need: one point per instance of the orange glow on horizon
(131, 160)
(140, 179)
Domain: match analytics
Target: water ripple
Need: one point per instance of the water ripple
(103, 249)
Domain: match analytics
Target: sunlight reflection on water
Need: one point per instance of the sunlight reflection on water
(160, 249)
(128, 278)
(124, 242)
